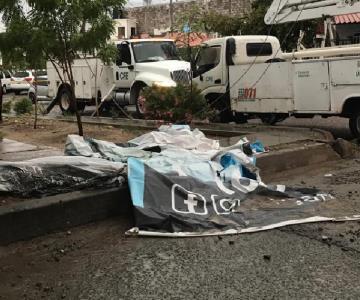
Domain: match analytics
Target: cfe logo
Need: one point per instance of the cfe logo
(124, 76)
(186, 202)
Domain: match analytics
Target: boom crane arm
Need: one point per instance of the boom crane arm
(283, 11)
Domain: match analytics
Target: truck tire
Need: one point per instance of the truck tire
(64, 101)
(226, 116)
(240, 118)
(354, 124)
(139, 102)
(269, 119)
(32, 98)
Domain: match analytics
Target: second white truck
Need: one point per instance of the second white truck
(250, 76)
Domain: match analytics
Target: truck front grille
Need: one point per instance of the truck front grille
(181, 76)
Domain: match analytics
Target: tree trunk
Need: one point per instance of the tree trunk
(1, 101)
(74, 105)
(36, 103)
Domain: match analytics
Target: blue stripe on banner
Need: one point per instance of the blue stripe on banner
(136, 178)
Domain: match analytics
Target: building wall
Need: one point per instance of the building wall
(156, 18)
(126, 24)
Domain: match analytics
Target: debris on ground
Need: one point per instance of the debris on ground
(181, 183)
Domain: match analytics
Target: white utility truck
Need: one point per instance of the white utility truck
(141, 63)
(250, 76)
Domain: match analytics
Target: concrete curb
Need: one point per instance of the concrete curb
(36, 217)
(287, 159)
(208, 128)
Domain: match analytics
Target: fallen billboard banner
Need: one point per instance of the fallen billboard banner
(179, 206)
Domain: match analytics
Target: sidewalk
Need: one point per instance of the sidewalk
(11, 150)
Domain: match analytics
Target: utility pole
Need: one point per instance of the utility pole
(171, 15)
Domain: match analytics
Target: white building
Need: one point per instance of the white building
(124, 29)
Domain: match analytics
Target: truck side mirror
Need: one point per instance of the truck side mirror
(118, 61)
(230, 51)
(193, 67)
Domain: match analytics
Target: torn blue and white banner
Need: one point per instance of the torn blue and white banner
(184, 191)
(174, 205)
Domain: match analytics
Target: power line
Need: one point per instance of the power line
(250, 66)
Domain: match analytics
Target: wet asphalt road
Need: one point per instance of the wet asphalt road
(97, 261)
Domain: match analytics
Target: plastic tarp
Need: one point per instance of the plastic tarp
(59, 174)
(190, 189)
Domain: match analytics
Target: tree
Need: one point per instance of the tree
(252, 23)
(223, 24)
(60, 31)
(287, 33)
(191, 23)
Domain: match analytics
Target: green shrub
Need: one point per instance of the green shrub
(6, 107)
(180, 104)
(23, 106)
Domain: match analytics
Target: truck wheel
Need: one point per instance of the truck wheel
(354, 124)
(240, 118)
(269, 119)
(81, 106)
(140, 103)
(32, 98)
(64, 101)
(226, 116)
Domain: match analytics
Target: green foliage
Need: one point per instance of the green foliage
(56, 30)
(193, 17)
(179, 104)
(250, 24)
(223, 24)
(6, 107)
(23, 106)
(287, 33)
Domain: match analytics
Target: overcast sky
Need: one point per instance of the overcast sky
(130, 3)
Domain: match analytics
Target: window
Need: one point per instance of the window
(1, 75)
(124, 54)
(22, 74)
(154, 51)
(207, 59)
(133, 31)
(42, 81)
(41, 73)
(7, 74)
(258, 49)
(121, 32)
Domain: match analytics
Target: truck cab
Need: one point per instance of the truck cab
(211, 69)
(147, 62)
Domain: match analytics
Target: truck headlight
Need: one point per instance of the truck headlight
(165, 83)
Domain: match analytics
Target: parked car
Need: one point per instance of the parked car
(5, 77)
(21, 81)
(41, 84)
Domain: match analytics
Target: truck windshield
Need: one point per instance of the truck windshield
(154, 51)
